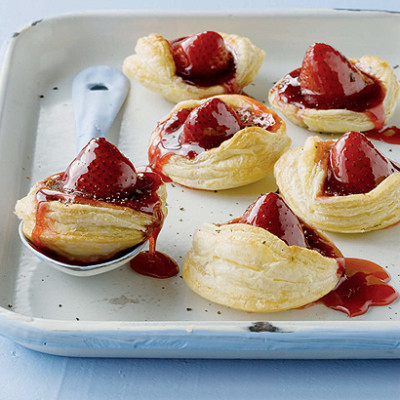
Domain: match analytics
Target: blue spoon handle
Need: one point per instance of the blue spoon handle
(97, 95)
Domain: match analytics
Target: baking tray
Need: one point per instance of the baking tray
(121, 313)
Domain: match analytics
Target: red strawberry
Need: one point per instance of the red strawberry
(356, 166)
(270, 212)
(210, 124)
(201, 55)
(101, 171)
(327, 78)
(261, 119)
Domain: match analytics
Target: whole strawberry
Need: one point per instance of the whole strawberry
(202, 55)
(100, 171)
(270, 212)
(210, 124)
(356, 166)
(329, 79)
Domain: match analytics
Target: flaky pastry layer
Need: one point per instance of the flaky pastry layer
(343, 120)
(248, 268)
(87, 233)
(300, 180)
(153, 66)
(249, 155)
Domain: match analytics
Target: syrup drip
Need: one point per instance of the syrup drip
(388, 134)
(154, 263)
(364, 284)
(40, 225)
(43, 196)
(289, 91)
(377, 115)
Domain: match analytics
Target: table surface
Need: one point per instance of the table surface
(25, 374)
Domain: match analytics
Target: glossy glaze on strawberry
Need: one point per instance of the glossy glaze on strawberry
(271, 212)
(100, 171)
(362, 283)
(354, 165)
(327, 80)
(210, 124)
(191, 131)
(203, 59)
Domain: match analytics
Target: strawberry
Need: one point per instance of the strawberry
(355, 166)
(270, 212)
(261, 119)
(210, 124)
(328, 79)
(201, 55)
(100, 171)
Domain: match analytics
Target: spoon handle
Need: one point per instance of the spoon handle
(98, 93)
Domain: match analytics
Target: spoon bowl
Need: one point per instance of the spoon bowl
(81, 270)
(97, 94)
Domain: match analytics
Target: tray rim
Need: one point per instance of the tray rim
(183, 339)
(168, 13)
(30, 331)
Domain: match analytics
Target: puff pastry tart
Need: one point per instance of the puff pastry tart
(341, 186)
(97, 208)
(332, 94)
(194, 67)
(265, 261)
(218, 143)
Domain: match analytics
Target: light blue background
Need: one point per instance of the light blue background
(25, 374)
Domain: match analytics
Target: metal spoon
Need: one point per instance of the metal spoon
(97, 94)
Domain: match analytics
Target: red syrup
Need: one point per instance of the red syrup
(370, 101)
(168, 133)
(388, 134)
(154, 263)
(203, 60)
(144, 199)
(363, 284)
(227, 80)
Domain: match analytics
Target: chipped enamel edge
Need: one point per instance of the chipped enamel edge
(213, 340)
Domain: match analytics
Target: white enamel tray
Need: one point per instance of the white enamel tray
(121, 313)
